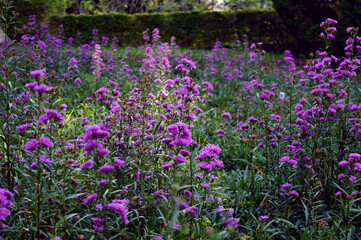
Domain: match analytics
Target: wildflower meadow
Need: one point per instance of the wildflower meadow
(101, 141)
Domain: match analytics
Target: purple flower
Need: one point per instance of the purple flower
(167, 165)
(103, 152)
(86, 165)
(209, 151)
(293, 192)
(102, 183)
(90, 198)
(37, 73)
(227, 115)
(185, 153)
(119, 207)
(173, 129)
(286, 185)
(206, 185)
(180, 159)
(77, 81)
(46, 142)
(31, 145)
(41, 89)
(118, 163)
(34, 165)
(106, 169)
(263, 218)
(352, 179)
(343, 163)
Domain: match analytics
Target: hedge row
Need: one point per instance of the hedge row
(201, 29)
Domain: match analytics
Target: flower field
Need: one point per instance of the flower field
(100, 141)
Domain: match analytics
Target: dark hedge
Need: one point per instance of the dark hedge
(192, 29)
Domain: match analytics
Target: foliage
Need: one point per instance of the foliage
(200, 29)
(158, 142)
(301, 19)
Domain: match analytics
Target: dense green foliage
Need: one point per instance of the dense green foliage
(201, 29)
(301, 19)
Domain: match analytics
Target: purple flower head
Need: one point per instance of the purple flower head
(209, 151)
(167, 165)
(31, 145)
(32, 85)
(173, 129)
(180, 159)
(77, 81)
(293, 192)
(185, 153)
(86, 165)
(46, 142)
(343, 163)
(227, 115)
(103, 152)
(118, 163)
(90, 198)
(119, 207)
(41, 89)
(106, 169)
(263, 218)
(205, 185)
(37, 74)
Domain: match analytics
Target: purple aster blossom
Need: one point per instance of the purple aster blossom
(31, 86)
(46, 142)
(34, 165)
(192, 211)
(119, 207)
(208, 85)
(185, 153)
(90, 145)
(354, 156)
(31, 145)
(118, 163)
(22, 128)
(106, 169)
(261, 218)
(198, 175)
(37, 74)
(357, 167)
(90, 198)
(231, 222)
(338, 194)
(157, 238)
(352, 179)
(103, 152)
(41, 89)
(167, 165)
(205, 166)
(102, 183)
(4, 203)
(227, 115)
(43, 119)
(77, 81)
(286, 185)
(86, 165)
(180, 159)
(219, 163)
(209, 151)
(182, 142)
(98, 226)
(343, 163)
(293, 192)
(173, 129)
(205, 185)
